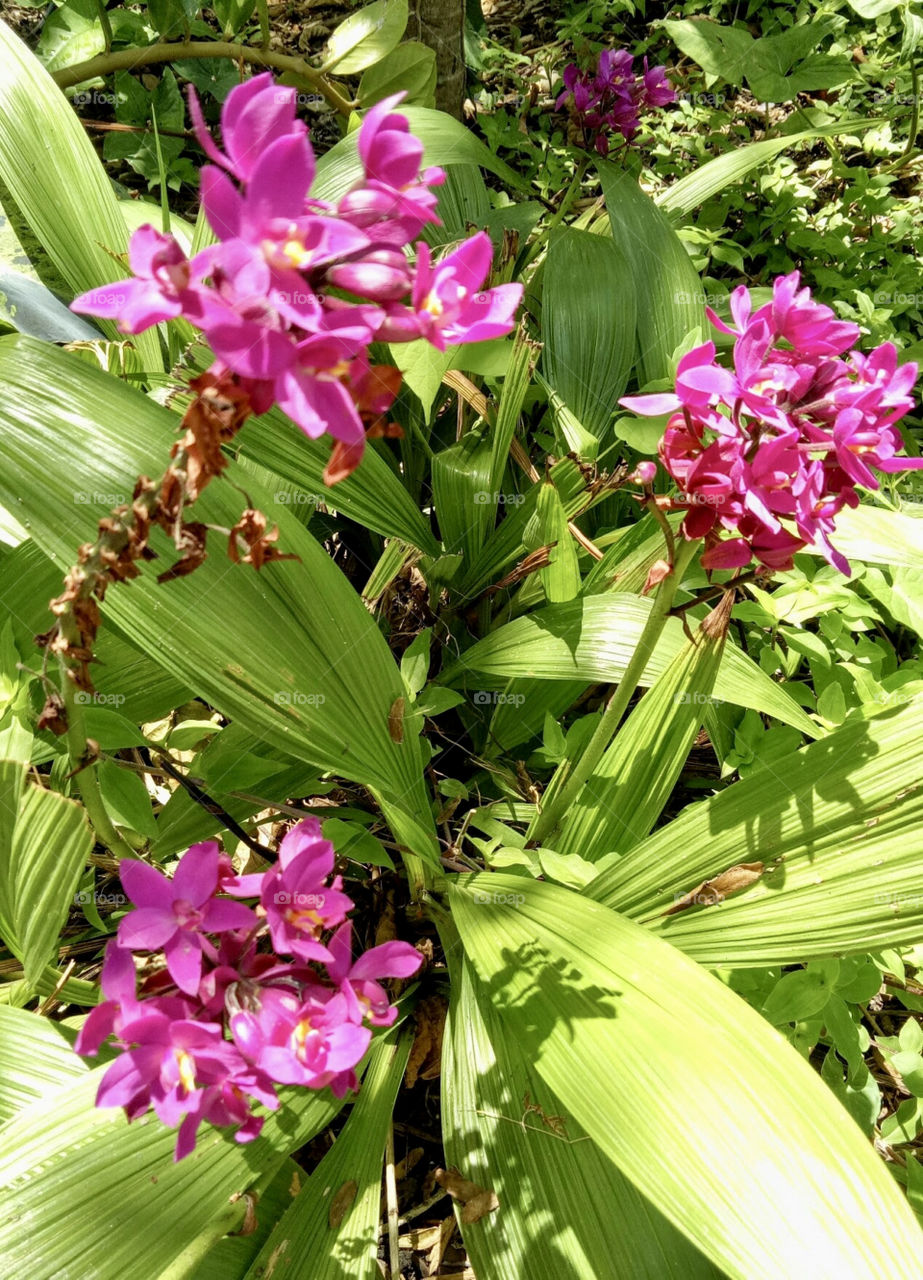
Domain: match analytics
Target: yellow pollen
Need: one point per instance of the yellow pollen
(303, 919)
(433, 306)
(186, 1065)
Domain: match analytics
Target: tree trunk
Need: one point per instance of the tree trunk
(440, 25)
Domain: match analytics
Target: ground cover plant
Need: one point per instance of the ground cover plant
(460, 688)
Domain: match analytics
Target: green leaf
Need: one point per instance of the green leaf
(36, 1058)
(667, 287)
(723, 52)
(873, 535)
(830, 827)
(28, 306)
(410, 67)
(233, 15)
(718, 174)
(588, 324)
(104, 1198)
(326, 696)
(333, 1220)
(71, 34)
(593, 639)
(624, 798)
(366, 37)
(58, 183)
(445, 141)
(44, 847)
(574, 983)
(561, 577)
(563, 1205)
(372, 495)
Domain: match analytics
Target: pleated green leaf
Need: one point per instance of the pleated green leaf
(35, 1059)
(561, 577)
(465, 505)
(620, 803)
(667, 287)
(565, 1209)
(740, 1144)
(718, 174)
(593, 639)
(372, 496)
(875, 536)
(83, 1193)
(832, 825)
(589, 316)
(71, 438)
(58, 181)
(43, 850)
(346, 1186)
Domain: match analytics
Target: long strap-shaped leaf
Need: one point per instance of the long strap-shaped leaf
(330, 1231)
(43, 849)
(705, 1108)
(84, 1194)
(833, 827)
(624, 798)
(58, 182)
(565, 1209)
(291, 654)
(594, 638)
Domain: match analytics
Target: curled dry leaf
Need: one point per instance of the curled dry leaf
(477, 1201)
(425, 1062)
(711, 892)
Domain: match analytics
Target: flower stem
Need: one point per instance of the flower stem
(572, 775)
(129, 59)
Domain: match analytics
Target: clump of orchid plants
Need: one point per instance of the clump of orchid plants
(610, 99)
(772, 449)
(296, 289)
(237, 998)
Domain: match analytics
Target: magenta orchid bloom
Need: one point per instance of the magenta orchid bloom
(296, 897)
(611, 99)
(174, 914)
(206, 1038)
(771, 451)
(269, 296)
(308, 1041)
(358, 980)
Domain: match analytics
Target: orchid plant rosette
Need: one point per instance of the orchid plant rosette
(296, 289)
(772, 449)
(237, 999)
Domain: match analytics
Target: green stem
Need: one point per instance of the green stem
(86, 778)
(573, 775)
(131, 59)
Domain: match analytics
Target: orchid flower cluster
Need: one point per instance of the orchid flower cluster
(611, 99)
(223, 1020)
(296, 289)
(773, 449)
